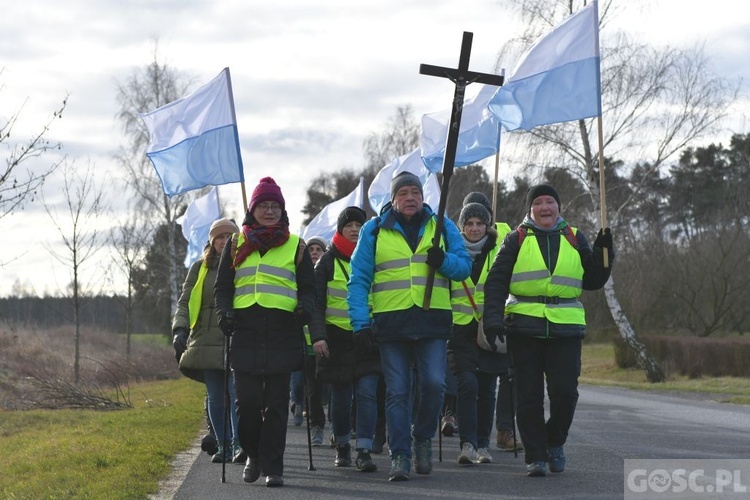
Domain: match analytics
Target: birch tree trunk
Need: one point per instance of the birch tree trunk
(644, 359)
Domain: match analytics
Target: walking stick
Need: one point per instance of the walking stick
(305, 362)
(226, 410)
(512, 412)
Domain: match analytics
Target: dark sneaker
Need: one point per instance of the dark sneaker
(364, 462)
(422, 456)
(317, 436)
(536, 469)
(377, 443)
(252, 470)
(343, 455)
(239, 454)
(556, 459)
(222, 455)
(400, 468)
(274, 481)
(448, 425)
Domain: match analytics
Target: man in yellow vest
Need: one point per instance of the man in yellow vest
(531, 295)
(390, 266)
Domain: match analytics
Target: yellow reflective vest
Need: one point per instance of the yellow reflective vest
(337, 309)
(463, 312)
(536, 292)
(401, 275)
(196, 295)
(269, 280)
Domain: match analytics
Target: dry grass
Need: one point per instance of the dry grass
(27, 352)
(599, 368)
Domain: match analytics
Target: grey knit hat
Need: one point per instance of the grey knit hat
(405, 179)
(474, 210)
(317, 240)
(478, 197)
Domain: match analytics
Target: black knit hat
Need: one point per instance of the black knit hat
(405, 179)
(477, 197)
(541, 190)
(348, 215)
(474, 210)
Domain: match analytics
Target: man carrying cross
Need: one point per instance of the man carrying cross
(389, 269)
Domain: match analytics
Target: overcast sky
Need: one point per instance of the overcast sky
(311, 79)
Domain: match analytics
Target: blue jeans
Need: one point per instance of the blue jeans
(428, 357)
(366, 389)
(475, 406)
(215, 388)
(297, 388)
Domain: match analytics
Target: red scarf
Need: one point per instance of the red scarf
(343, 245)
(262, 238)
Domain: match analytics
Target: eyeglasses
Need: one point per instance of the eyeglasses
(265, 207)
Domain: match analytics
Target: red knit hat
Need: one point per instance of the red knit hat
(266, 190)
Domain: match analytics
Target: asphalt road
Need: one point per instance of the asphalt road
(611, 425)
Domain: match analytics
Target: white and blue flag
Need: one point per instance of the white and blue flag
(194, 141)
(557, 79)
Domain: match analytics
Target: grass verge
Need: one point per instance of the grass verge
(95, 454)
(599, 368)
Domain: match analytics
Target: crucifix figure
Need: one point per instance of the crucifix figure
(461, 77)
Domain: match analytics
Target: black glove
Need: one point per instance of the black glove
(226, 322)
(435, 257)
(303, 317)
(179, 342)
(490, 334)
(364, 340)
(604, 239)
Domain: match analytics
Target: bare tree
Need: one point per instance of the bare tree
(129, 243)
(84, 202)
(654, 101)
(145, 90)
(18, 185)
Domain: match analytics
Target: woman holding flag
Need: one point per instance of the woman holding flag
(264, 295)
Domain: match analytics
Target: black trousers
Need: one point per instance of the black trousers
(314, 388)
(558, 362)
(262, 417)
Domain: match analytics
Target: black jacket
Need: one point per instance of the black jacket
(496, 290)
(464, 353)
(267, 340)
(345, 363)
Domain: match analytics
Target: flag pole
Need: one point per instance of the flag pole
(497, 175)
(602, 191)
(236, 138)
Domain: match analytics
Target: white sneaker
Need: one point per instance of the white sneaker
(468, 454)
(483, 456)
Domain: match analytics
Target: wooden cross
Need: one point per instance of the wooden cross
(461, 77)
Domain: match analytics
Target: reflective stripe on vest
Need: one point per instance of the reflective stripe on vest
(268, 280)
(463, 313)
(196, 295)
(536, 292)
(337, 309)
(401, 275)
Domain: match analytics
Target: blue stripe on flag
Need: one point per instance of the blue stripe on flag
(565, 93)
(218, 145)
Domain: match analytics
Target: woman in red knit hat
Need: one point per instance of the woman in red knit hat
(264, 295)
